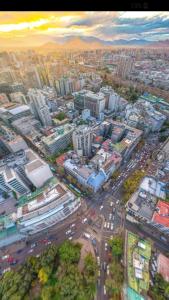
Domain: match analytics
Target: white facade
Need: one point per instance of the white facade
(82, 140)
(37, 171)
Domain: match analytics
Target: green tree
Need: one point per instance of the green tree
(69, 253)
(116, 245)
(61, 116)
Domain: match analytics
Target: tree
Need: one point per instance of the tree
(61, 116)
(43, 275)
(69, 253)
(116, 245)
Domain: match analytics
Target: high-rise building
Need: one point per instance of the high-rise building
(124, 66)
(10, 181)
(82, 140)
(95, 102)
(39, 107)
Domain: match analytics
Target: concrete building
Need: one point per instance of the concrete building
(45, 207)
(82, 140)
(124, 66)
(10, 114)
(113, 101)
(95, 102)
(36, 170)
(59, 140)
(26, 125)
(11, 181)
(11, 141)
(85, 114)
(144, 116)
(39, 107)
(18, 97)
(3, 99)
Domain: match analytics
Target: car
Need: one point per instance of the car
(14, 262)
(104, 290)
(19, 251)
(104, 266)
(101, 207)
(73, 225)
(112, 226)
(49, 242)
(68, 232)
(117, 202)
(5, 257)
(114, 210)
(84, 220)
(37, 255)
(30, 251)
(108, 270)
(108, 225)
(70, 238)
(105, 246)
(98, 273)
(110, 216)
(105, 225)
(87, 235)
(111, 204)
(98, 260)
(33, 245)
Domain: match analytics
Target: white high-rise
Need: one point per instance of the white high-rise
(82, 140)
(39, 107)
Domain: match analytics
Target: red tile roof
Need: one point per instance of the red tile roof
(162, 216)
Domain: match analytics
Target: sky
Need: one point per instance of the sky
(31, 29)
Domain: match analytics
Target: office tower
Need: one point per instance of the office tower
(33, 78)
(124, 66)
(82, 140)
(95, 102)
(10, 181)
(39, 107)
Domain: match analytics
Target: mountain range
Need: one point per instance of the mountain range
(96, 43)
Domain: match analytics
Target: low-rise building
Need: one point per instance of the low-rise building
(59, 140)
(45, 207)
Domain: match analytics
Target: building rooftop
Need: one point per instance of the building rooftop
(19, 109)
(163, 266)
(34, 165)
(59, 131)
(161, 216)
(152, 186)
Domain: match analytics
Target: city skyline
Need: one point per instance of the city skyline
(33, 29)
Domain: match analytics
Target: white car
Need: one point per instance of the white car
(104, 290)
(30, 251)
(101, 207)
(84, 220)
(68, 232)
(98, 273)
(108, 270)
(111, 204)
(112, 226)
(98, 260)
(105, 225)
(110, 216)
(105, 247)
(117, 202)
(108, 225)
(49, 242)
(70, 238)
(73, 225)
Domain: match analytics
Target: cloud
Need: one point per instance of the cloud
(35, 27)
